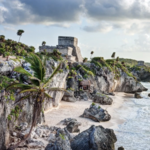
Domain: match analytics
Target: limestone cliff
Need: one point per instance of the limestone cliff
(7, 105)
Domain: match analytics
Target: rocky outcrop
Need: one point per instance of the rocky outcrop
(128, 84)
(94, 138)
(104, 80)
(96, 113)
(7, 105)
(73, 126)
(6, 67)
(61, 141)
(69, 97)
(102, 99)
(142, 74)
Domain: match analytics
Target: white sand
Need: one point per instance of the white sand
(74, 110)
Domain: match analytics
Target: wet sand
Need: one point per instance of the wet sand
(74, 110)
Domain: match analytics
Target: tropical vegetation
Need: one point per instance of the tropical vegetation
(38, 89)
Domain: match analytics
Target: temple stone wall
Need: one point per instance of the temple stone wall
(67, 46)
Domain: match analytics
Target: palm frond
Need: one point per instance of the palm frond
(52, 75)
(36, 66)
(22, 71)
(47, 95)
(28, 90)
(19, 86)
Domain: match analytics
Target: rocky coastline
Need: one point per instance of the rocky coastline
(101, 93)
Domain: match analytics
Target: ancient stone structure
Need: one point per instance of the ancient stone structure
(140, 63)
(68, 46)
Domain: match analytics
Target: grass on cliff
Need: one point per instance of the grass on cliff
(113, 65)
(12, 48)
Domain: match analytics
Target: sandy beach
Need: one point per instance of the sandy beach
(74, 110)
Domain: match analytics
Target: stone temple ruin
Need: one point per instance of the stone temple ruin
(140, 63)
(68, 46)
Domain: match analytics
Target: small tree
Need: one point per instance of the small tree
(19, 33)
(117, 59)
(2, 38)
(31, 49)
(43, 43)
(85, 59)
(113, 55)
(92, 52)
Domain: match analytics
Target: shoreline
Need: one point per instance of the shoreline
(75, 110)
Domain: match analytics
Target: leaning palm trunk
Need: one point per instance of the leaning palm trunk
(36, 113)
(39, 87)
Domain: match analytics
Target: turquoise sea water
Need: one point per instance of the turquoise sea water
(134, 133)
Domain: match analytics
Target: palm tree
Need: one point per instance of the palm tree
(92, 52)
(2, 38)
(38, 88)
(43, 43)
(113, 55)
(117, 59)
(19, 33)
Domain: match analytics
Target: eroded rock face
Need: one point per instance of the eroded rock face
(96, 113)
(27, 105)
(6, 67)
(129, 85)
(69, 97)
(104, 81)
(94, 138)
(142, 75)
(102, 99)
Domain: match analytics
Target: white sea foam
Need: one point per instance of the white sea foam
(134, 133)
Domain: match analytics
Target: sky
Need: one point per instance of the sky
(102, 26)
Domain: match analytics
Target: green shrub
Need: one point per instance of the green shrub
(93, 104)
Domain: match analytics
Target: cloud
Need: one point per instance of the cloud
(130, 16)
(141, 44)
(117, 10)
(101, 27)
(41, 12)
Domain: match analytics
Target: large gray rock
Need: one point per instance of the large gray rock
(102, 99)
(73, 126)
(96, 113)
(6, 67)
(128, 84)
(61, 142)
(69, 96)
(94, 138)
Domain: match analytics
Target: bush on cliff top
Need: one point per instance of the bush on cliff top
(9, 48)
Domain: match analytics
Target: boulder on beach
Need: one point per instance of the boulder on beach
(94, 138)
(96, 113)
(102, 99)
(121, 148)
(149, 95)
(137, 95)
(61, 141)
(72, 124)
(69, 96)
